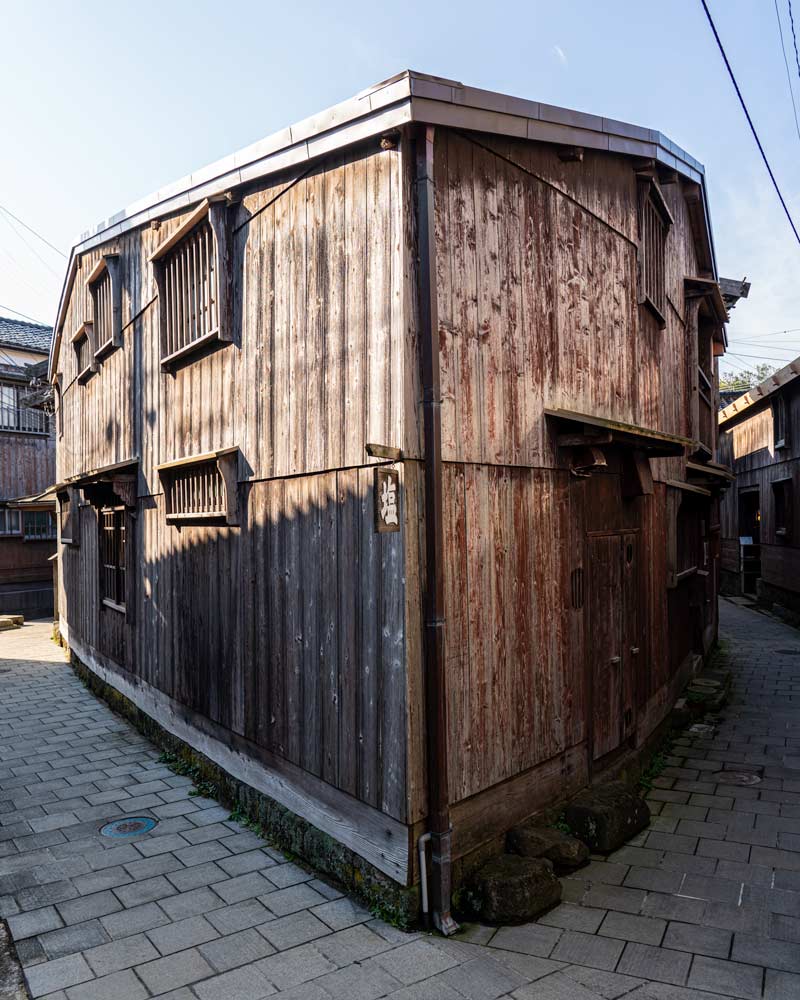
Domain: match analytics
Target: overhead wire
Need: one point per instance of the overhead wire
(27, 244)
(16, 312)
(788, 73)
(794, 38)
(30, 229)
(750, 121)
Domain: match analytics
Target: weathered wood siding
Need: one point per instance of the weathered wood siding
(537, 286)
(27, 466)
(27, 463)
(290, 630)
(748, 444)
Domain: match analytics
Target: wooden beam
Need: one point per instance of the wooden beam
(167, 244)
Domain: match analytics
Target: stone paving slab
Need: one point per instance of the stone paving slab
(704, 904)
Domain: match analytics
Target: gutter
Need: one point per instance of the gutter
(440, 831)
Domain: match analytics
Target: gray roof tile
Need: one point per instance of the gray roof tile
(24, 335)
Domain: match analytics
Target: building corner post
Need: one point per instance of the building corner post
(434, 625)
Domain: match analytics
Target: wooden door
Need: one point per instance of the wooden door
(615, 637)
(633, 657)
(605, 641)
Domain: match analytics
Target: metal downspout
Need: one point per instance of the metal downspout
(434, 632)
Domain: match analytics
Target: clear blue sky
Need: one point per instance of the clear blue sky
(102, 103)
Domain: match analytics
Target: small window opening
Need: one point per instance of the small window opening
(112, 557)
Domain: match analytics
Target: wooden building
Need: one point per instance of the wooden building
(760, 440)
(27, 467)
(388, 459)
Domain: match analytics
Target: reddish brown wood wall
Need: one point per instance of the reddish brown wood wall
(537, 264)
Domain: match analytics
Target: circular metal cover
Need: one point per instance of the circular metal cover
(128, 826)
(738, 778)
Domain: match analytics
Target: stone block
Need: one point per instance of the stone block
(511, 889)
(531, 841)
(607, 816)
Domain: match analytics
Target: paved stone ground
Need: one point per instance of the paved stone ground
(705, 904)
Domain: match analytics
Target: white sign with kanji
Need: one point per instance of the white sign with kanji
(387, 500)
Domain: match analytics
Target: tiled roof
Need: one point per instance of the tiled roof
(25, 336)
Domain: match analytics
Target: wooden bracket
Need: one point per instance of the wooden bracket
(637, 477)
(587, 460)
(384, 451)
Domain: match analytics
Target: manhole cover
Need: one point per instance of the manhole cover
(739, 778)
(129, 826)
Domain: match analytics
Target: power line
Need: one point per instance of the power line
(765, 336)
(750, 121)
(23, 315)
(760, 357)
(27, 244)
(31, 230)
(788, 74)
(794, 38)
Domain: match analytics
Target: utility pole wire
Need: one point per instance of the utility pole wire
(750, 121)
(33, 250)
(16, 312)
(786, 64)
(30, 230)
(794, 38)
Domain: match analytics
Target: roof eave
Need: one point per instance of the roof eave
(404, 99)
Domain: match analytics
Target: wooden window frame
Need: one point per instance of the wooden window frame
(21, 416)
(58, 415)
(227, 464)
(119, 566)
(69, 497)
(5, 513)
(218, 215)
(106, 269)
(780, 422)
(653, 210)
(784, 485)
(85, 332)
(39, 538)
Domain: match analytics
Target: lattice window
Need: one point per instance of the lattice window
(112, 557)
(198, 489)
(10, 522)
(654, 225)
(202, 488)
(193, 281)
(105, 291)
(38, 525)
(83, 345)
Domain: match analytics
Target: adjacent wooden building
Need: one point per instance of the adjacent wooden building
(760, 440)
(27, 467)
(388, 471)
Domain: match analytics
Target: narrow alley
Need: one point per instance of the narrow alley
(706, 903)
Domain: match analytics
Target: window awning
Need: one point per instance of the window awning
(108, 485)
(104, 473)
(46, 500)
(586, 429)
(711, 475)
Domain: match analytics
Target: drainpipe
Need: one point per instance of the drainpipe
(434, 635)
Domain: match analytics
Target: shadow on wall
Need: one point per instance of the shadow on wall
(288, 630)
